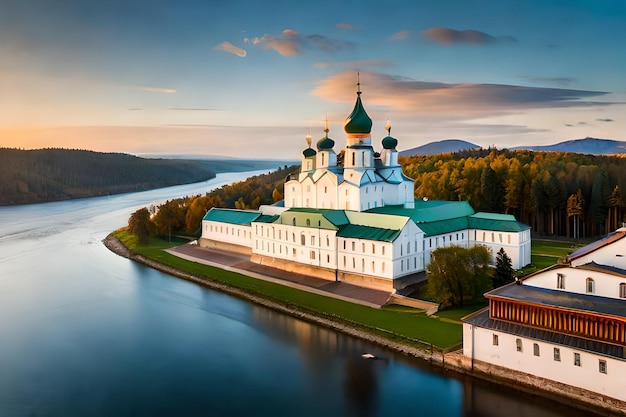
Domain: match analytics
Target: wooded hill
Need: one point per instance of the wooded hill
(556, 193)
(36, 176)
(33, 176)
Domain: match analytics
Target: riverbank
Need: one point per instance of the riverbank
(452, 361)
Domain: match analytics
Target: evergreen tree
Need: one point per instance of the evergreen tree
(504, 269)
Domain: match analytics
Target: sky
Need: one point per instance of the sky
(250, 79)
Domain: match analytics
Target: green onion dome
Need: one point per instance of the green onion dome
(358, 121)
(325, 143)
(308, 152)
(389, 142)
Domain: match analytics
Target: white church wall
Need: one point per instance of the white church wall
(612, 255)
(228, 233)
(574, 367)
(576, 280)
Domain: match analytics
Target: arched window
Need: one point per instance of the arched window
(518, 344)
(591, 285)
(308, 222)
(293, 221)
(302, 239)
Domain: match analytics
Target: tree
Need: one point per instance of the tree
(140, 225)
(504, 269)
(456, 274)
(575, 209)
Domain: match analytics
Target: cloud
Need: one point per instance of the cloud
(231, 49)
(453, 100)
(159, 90)
(563, 81)
(403, 34)
(605, 120)
(189, 109)
(290, 42)
(344, 25)
(445, 36)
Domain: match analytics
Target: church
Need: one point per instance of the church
(357, 220)
(565, 324)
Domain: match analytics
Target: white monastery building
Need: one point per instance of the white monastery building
(566, 323)
(358, 221)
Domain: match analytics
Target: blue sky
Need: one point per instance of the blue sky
(250, 78)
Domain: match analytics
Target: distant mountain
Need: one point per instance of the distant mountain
(585, 146)
(442, 146)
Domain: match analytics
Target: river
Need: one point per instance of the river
(84, 332)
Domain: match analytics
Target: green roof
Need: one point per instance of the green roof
(307, 217)
(497, 222)
(231, 216)
(426, 211)
(444, 226)
(357, 231)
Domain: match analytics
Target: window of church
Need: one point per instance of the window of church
(312, 240)
(557, 354)
(353, 158)
(323, 158)
(353, 246)
(508, 239)
(560, 281)
(622, 290)
(518, 345)
(383, 249)
(576, 359)
(327, 241)
(344, 261)
(408, 247)
(401, 265)
(344, 245)
(373, 267)
(535, 349)
(362, 265)
(591, 285)
(293, 221)
(308, 222)
(494, 340)
(383, 267)
(353, 262)
(302, 239)
(293, 252)
(293, 235)
(325, 190)
(492, 237)
(602, 366)
(500, 237)
(312, 255)
(373, 248)
(363, 247)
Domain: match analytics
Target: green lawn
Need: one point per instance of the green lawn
(401, 324)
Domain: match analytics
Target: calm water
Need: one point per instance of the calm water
(84, 332)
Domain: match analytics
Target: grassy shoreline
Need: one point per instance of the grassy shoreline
(394, 324)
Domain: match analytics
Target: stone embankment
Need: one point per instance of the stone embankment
(451, 359)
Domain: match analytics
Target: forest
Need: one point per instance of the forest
(35, 176)
(556, 193)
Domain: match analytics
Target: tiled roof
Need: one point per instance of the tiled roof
(561, 299)
(231, 216)
(356, 231)
(497, 222)
(482, 319)
(606, 240)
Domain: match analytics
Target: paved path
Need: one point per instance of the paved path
(241, 263)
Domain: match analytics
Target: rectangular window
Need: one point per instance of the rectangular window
(312, 254)
(518, 345)
(577, 359)
(495, 340)
(622, 290)
(602, 366)
(560, 281)
(557, 354)
(535, 349)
